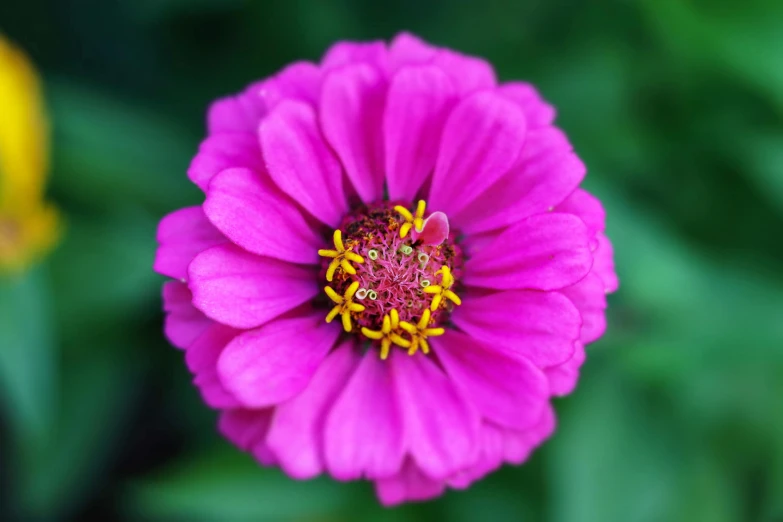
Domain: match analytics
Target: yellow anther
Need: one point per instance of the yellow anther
(344, 305)
(419, 333)
(340, 257)
(388, 334)
(412, 220)
(443, 289)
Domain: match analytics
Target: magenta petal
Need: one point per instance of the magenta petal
(410, 484)
(604, 264)
(251, 211)
(272, 364)
(586, 207)
(491, 456)
(181, 236)
(468, 73)
(538, 113)
(419, 101)
(363, 435)
(243, 290)
(481, 141)
(202, 357)
(297, 431)
(517, 445)
(563, 378)
(434, 231)
(543, 252)
(301, 163)
(509, 391)
(234, 114)
(348, 53)
(541, 326)
(352, 102)
(184, 322)
(299, 81)
(407, 49)
(440, 423)
(247, 429)
(546, 173)
(589, 297)
(225, 151)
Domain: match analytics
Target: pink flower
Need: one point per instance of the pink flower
(393, 271)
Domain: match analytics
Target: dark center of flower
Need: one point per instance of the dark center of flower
(392, 275)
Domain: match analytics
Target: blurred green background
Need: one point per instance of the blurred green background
(676, 107)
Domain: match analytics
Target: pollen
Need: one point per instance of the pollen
(344, 305)
(387, 298)
(340, 256)
(443, 290)
(389, 333)
(411, 220)
(419, 333)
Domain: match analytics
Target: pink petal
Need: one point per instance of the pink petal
(236, 113)
(407, 49)
(481, 141)
(183, 323)
(363, 436)
(603, 266)
(538, 113)
(507, 390)
(299, 81)
(251, 211)
(410, 484)
(563, 378)
(586, 207)
(301, 163)
(419, 101)
(225, 151)
(518, 445)
(351, 111)
(589, 297)
(241, 113)
(490, 457)
(247, 429)
(468, 73)
(540, 326)
(243, 290)
(297, 430)
(440, 423)
(546, 173)
(347, 53)
(434, 231)
(542, 252)
(181, 236)
(202, 357)
(272, 364)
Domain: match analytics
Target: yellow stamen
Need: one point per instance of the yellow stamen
(420, 332)
(340, 257)
(443, 290)
(344, 305)
(412, 220)
(388, 334)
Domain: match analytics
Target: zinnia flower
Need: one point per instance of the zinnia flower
(28, 225)
(393, 271)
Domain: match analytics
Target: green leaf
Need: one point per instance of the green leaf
(228, 485)
(57, 472)
(28, 353)
(109, 152)
(612, 460)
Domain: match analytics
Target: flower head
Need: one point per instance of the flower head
(433, 210)
(28, 225)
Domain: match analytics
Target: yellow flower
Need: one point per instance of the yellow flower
(29, 227)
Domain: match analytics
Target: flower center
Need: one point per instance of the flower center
(392, 274)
